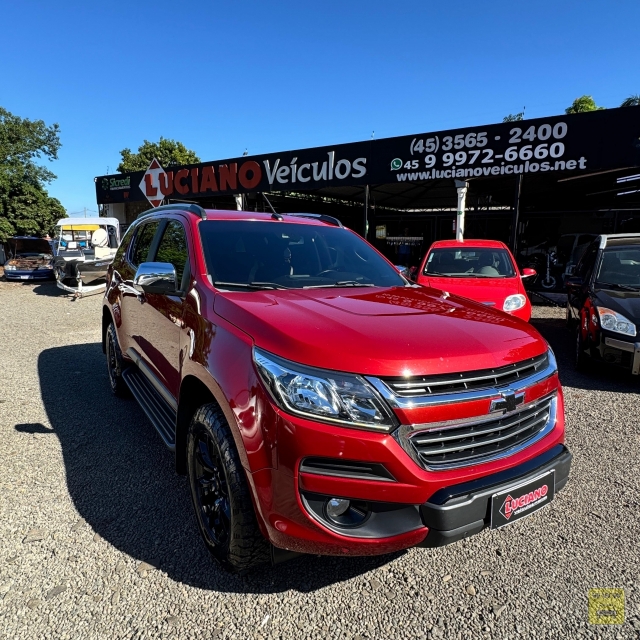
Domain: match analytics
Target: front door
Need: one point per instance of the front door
(577, 295)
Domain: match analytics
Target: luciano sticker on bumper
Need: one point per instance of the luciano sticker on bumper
(513, 504)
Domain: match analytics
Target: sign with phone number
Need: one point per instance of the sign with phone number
(586, 142)
(601, 140)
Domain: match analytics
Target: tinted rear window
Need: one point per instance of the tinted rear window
(142, 243)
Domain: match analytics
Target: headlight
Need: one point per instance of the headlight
(9, 267)
(326, 395)
(514, 302)
(614, 321)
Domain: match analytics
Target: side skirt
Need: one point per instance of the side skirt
(159, 411)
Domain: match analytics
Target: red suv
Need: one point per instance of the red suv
(318, 401)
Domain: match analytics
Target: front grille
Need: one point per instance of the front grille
(470, 380)
(473, 443)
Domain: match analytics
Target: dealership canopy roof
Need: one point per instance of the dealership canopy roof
(586, 161)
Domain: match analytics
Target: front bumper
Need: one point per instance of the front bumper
(462, 510)
(413, 507)
(39, 274)
(620, 353)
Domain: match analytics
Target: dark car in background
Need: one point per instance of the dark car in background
(29, 258)
(603, 298)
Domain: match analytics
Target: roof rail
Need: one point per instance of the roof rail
(193, 208)
(318, 216)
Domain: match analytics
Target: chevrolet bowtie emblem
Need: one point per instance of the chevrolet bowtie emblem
(507, 402)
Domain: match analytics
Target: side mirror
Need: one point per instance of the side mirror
(528, 273)
(574, 282)
(155, 277)
(413, 273)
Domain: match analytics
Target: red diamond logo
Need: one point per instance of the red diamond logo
(150, 183)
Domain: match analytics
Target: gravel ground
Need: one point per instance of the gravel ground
(97, 538)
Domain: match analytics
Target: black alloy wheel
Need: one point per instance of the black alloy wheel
(211, 491)
(220, 494)
(114, 364)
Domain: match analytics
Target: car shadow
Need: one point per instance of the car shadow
(597, 377)
(123, 483)
(46, 288)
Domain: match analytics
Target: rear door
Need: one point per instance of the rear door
(160, 316)
(130, 299)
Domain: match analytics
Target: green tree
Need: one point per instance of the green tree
(582, 105)
(27, 210)
(25, 206)
(631, 101)
(514, 117)
(167, 152)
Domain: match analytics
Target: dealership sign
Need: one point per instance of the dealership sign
(586, 142)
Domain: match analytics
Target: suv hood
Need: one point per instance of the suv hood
(382, 331)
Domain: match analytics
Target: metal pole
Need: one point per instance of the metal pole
(461, 188)
(366, 212)
(516, 216)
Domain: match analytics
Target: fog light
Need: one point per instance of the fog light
(337, 507)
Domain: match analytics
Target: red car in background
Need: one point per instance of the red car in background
(482, 270)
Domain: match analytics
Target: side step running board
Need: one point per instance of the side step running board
(157, 409)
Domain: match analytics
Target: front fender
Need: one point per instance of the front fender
(220, 357)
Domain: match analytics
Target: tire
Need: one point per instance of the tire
(220, 494)
(118, 386)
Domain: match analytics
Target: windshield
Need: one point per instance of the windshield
(255, 254)
(469, 263)
(620, 266)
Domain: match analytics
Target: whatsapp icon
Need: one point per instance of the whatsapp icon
(396, 164)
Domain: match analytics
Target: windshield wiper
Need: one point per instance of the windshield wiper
(617, 285)
(250, 285)
(341, 283)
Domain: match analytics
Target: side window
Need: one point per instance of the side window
(173, 248)
(142, 243)
(586, 264)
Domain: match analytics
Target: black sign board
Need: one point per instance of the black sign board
(580, 143)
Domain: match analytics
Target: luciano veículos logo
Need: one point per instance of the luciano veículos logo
(515, 505)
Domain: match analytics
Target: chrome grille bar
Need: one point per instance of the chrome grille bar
(472, 380)
(544, 367)
(453, 446)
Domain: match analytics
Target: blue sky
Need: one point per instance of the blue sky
(270, 76)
